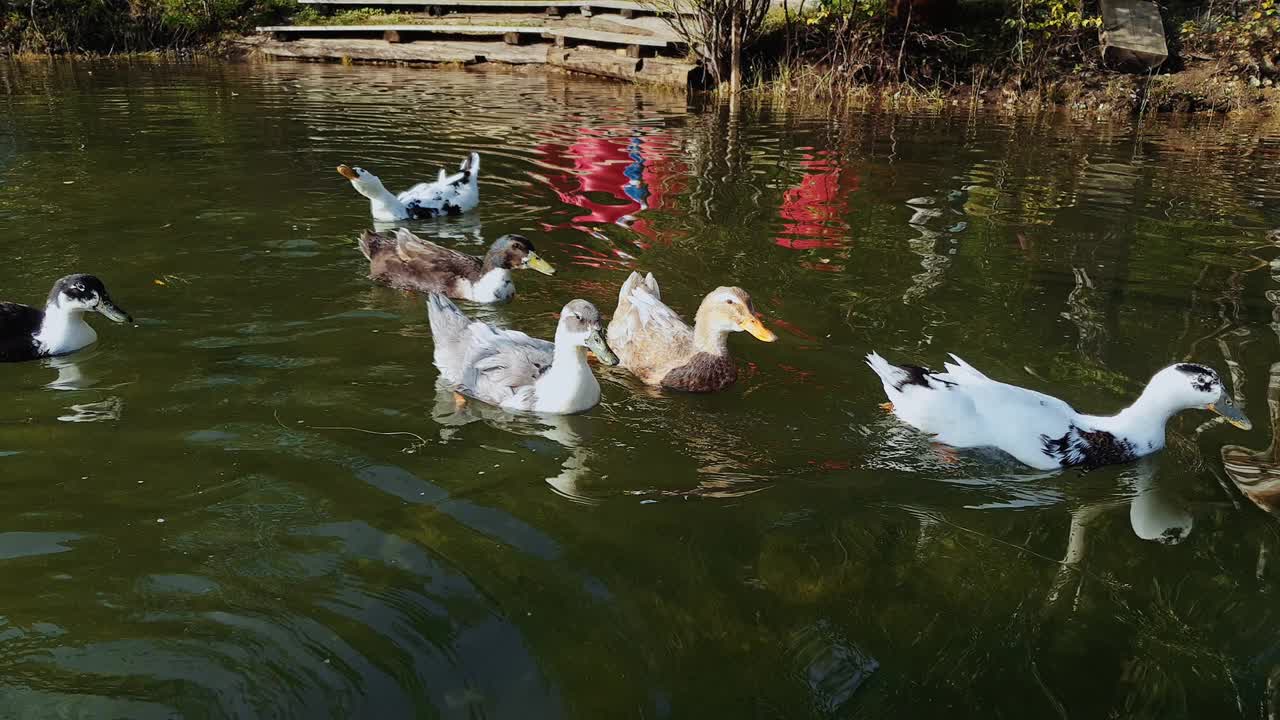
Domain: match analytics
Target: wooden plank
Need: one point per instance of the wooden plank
(629, 5)
(600, 37)
(595, 37)
(661, 71)
(441, 51)
(314, 30)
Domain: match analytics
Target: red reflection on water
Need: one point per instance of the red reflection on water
(635, 170)
(784, 325)
(832, 465)
(814, 209)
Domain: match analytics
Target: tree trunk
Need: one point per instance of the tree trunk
(735, 50)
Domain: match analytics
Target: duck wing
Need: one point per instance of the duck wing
(502, 366)
(410, 261)
(641, 315)
(962, 407)
(451, 334)
(18, 325)
(448, 195)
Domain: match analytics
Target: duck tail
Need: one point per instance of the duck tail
(371, 243)
(651, 284)
(471, 165)
(888, 373)
(962, 369)
(447, 321)
(624, 294)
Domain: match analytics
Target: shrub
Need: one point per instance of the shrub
(127, 25)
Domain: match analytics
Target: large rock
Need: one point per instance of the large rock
(1133, 35)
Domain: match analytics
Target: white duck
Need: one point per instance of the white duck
(512, 370)
(448, 195)
(964, 408)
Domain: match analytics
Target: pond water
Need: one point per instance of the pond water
(254, 502)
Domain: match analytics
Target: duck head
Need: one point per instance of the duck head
(729, 310)
(515, 252)
(1187, 386)
(365, 182)
(581, 326)
(84, 293)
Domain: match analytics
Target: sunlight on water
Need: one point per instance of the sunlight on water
(257, 502)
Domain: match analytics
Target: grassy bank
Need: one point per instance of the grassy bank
(127, 26)
(1025, 55)
(1022, 56)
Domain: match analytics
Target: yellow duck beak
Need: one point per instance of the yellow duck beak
(347, 173)
(533, 261)
(753, 325)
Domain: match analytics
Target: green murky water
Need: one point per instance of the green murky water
(253, 503)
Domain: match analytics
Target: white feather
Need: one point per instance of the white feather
(964, 408)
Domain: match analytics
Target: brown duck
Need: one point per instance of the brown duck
(408, 262)
(658, 347)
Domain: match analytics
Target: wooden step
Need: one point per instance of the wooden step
(628, 8)
(512, 34)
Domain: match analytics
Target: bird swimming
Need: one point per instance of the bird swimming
(27, 333)
(405, 261)
(963, 408)
(661, 349)
(512, 370)
(448, 195)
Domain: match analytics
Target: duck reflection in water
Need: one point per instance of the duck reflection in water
(70, 374)
(457, 231)
(571, 432)
(1156, 514)
(71, 378)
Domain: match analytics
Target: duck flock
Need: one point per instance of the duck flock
(957, 408)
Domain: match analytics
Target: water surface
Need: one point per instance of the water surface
(255, 503)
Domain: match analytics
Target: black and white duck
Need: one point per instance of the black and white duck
(964, 408)
(448, 195)
(27, 333)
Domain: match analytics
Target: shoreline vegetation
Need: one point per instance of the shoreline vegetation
(1012, 55)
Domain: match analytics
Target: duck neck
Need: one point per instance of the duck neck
(384, 205)
(63, 331)
(707, 338)
(493, 286)
(1144, 420)
(568, 386)
(569, 359)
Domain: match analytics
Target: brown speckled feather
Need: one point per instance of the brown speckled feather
(421, 266)
(703, 373)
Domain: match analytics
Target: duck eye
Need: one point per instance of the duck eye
(729, 301)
